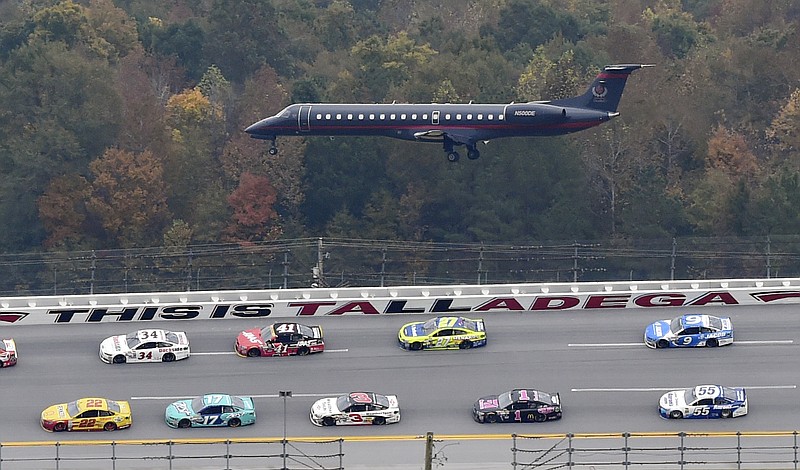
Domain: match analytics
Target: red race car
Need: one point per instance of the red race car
(280, 339)
(8, 353)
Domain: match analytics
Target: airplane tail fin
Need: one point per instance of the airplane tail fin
(606, 90)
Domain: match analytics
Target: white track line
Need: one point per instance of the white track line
(618, 345)
(301, 395)
(225, 353)
(667, 389)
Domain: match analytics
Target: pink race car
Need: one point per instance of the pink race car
(8, 353)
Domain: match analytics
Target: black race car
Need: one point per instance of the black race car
(518, 406)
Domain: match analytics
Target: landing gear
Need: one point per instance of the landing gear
(453, 156)
(273, 149)
(472, 152)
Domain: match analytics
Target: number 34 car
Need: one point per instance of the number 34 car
(517, 406)
(689, 331)
(356, 408)
(214, 409)
(87, 414)
(145, 346)
(443, 333)
(704, 401)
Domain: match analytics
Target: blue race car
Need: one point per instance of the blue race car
(703, 401)
(215, 409)
(689, 331)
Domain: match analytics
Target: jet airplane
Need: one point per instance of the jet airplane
(453, 124)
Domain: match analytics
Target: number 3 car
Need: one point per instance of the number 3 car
(8, 353)
(443, 333)
(703, 401)
(214, 409)
(518, 406)
(689, 331)
(87, 414)
(280, 339)
(356, 408)
(145, 346)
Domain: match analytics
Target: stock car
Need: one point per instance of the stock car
(87, 414)
(443, 333)
(703, 401)
(356, 408)
(153, 345)
(523, 405)
(214, 409)
(280, 339)
(8, 353)
(689, 331)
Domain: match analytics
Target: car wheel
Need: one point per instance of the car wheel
(725, 413)
(675, 414)
(539, 418)
(490, 418)
(415, 346)
(184, 423)
(119, 359)
(328, 421)
(712, 343)
(60, 426)
(379, 420)
(253, 352)
(169, 357)
(466, 344)
(303, 351)
(234, 422)
(110, 426)
(662, 343)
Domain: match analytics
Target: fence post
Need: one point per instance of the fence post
(795, 450)
(738, 449)
(682, 448)
(113, 455)
(626, 448)
(341, 454)
(514, 451)
(169, 446)
(58, 457)
(227, 454)
(569, 450)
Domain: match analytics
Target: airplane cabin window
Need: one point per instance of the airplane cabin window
(469, 116)
(361, 116)
(383, 116)
(393, 116)
(350, 117)
(372, 117)
(424, 116)
(480, 116)
(458, 116)
(319, 116)
(403, 117)
(414, 117)
(499, 117)
(338, 116)
(490, 117)
(447, 116)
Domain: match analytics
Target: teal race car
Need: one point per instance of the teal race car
(214, 409)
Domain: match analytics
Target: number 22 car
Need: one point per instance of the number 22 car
(443, 333)
(518, 406)
(689, 331)
(704, 401)
(213, 409)
(87, 414)
(153, 345)
(356, 408)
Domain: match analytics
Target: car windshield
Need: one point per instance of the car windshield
(132, 339)
(72, 408)
(113, 406)
(343, 402)
(197, 404)
(688, 396)
(715, 323)
(429, 326)
(504, 400)
(675, 325)
(172, 337)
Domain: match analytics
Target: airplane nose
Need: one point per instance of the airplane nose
(258, 128)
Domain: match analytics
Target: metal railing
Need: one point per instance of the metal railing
(338, 262)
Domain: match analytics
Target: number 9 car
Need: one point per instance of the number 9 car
(87, 414)
(214, 409)
(443, 333)
(153, 345)
(703, 401)
(689, 331)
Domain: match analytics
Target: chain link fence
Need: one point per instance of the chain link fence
(359, 263)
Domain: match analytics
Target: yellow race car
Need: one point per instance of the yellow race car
(443, 333)
(87, 414)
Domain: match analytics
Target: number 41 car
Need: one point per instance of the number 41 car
(704, 401)
(280, 339)
(87, 414)
(443, 333)
(689, 331)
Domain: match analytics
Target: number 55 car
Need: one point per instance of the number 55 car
(87, 414)
(689, 331)
(145, 346)
(704, 401)
(443, 333)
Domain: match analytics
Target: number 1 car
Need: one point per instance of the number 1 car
(518, 406)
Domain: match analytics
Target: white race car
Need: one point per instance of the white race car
(153, 345)
(356, 408)
(703, 401)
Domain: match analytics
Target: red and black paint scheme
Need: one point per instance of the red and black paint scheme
(524, 405)
(280, 339)
(8, 353)
(453, 124)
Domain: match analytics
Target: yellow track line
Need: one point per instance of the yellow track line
(410, 437)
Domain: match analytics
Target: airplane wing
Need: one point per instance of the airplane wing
(438, 135)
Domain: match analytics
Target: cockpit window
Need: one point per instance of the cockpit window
(286, 113)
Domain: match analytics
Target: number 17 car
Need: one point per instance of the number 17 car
(703, 401)
(689, 331)
(213, 409)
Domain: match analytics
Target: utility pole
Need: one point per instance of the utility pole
(284, 394)
(428, 450)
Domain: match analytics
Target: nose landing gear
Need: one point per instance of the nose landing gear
(273, 149)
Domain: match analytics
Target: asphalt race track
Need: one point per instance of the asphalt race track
(608, 380)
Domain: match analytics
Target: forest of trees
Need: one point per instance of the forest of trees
(121, 121)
